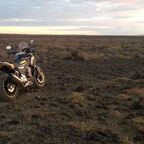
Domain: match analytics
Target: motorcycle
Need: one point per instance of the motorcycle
(21, 73)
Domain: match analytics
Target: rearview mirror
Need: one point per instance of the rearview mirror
(8, 47)
(31, 41)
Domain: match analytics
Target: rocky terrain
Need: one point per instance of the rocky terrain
(94, 92)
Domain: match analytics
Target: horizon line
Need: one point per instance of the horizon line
(38, 34)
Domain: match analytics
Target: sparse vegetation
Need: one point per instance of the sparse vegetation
(117, 80)
(84, 125)
(76, 55)
(122, 56)
(60, 53)
(116, 113)
(139, 122)
(141, 127)
(76, 98)
(90, 56)
(3, 134)
(52, 140)
(44, 115)
(135, 91)
(122, 96)
(17, 108)
(127, 140)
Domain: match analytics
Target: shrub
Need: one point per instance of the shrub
(76, 98)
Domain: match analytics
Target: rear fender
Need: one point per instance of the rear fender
(6, 67)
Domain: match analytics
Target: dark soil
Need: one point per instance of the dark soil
(95, 97)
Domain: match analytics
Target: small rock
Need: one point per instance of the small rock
(38, 97)
(36, 116)
(14, 122)
(79, 89)
(136, 105)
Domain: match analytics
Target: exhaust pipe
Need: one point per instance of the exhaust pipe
(16, 79)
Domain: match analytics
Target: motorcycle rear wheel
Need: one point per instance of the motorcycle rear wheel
(8, 89)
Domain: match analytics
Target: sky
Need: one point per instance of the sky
(82, 17)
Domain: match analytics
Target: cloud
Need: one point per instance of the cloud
(19, 20)
(92, 19)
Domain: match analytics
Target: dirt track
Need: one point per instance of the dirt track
(96, 98)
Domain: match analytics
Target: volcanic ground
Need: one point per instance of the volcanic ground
(94, 92)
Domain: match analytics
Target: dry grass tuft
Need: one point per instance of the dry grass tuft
(61, 53)
(121, 56)
(84, 125)
(88, 56)
(76, 98)
(141, 128)
(3, 134)
(17, 108)
(135, 91)
(122, 96)
(44, 115)
(52, 140)
(112, 126)
(79, 55)
(139, 122)
(116, 80)
(127, 140)
(116, 113)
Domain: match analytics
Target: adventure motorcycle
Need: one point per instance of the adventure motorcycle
(23, 72)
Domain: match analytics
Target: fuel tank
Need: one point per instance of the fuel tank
(21, 61)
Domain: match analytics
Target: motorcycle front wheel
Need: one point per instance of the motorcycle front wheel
(8, 89)
(39, 78)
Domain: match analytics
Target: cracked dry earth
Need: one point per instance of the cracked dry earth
(96, 97)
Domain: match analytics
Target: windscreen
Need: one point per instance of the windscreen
(23, 45)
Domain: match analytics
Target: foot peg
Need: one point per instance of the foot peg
(28, 83)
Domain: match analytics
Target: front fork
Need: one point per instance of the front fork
(32, 67)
